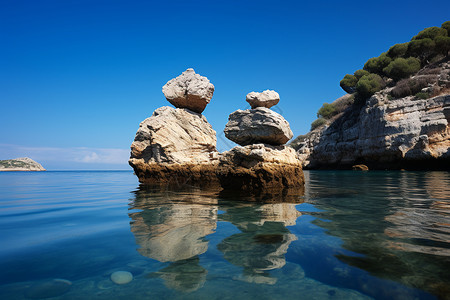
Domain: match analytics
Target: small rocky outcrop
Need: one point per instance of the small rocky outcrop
(20, 164)
(189, 90)
(267, 99)
(259, 167)
(259, 125)
(178, 146)
(360, 168)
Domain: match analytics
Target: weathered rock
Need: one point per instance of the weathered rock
(48, 289)
(259, 125)
(174, 145)
(20, 164)
(267, 99)
(360, 168)
(260, 167)
(386, 133)
(189, 90)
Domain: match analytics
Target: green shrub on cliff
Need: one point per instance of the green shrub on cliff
(377, 64)
(369, 85)
(317, 123)
(348, 83)
(442, 44)
(430, 33)
(398, 50)
(402, 68)
(446, 26)
(326, 111)
(423, 48)
(360, 73)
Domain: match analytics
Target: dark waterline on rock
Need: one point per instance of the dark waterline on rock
(353, 235)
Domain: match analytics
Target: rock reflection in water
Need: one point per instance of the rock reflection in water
(170, 227)
(263, 240)
(399, 221)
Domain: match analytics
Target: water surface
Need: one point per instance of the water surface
(353, 235)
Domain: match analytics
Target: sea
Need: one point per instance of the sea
(350, 235)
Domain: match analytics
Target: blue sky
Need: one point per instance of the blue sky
(77, 77)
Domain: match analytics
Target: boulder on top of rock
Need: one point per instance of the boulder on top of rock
(189, 90)
(267, 99)
(259, 125)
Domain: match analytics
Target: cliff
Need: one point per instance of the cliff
(20, 164)
(388, 132)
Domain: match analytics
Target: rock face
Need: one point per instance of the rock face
(405, 133)
(260, 166)
(267, 99)
(189, 90)
(259, 125)
(20, 164)
(174, 141)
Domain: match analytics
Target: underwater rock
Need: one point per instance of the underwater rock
(121, 277)
(47, 289)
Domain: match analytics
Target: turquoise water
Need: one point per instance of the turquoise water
(353, 235)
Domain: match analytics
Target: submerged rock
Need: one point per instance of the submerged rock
(121, 277)
(267, 99)
(48, 289)
(259, 125)
(189, 90)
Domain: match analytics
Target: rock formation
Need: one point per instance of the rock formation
(189, 90)
(20, 164)
(386, 133)
(259, 125)
(267, 99)
(178, 146)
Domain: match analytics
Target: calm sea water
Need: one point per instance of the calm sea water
(353, 235)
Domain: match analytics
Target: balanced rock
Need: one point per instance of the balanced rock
(189, 90)
(173, 141)
(259, 125)
(267, 99)
(260, 167)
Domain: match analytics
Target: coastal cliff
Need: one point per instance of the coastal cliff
(396, 114)
(386, 133)
(20, 164)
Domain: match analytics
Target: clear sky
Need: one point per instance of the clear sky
(77, 77)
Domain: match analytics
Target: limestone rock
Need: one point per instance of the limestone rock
(260, 167)
(386, 133)
(20, 164)
(173, 141)
(267, 99)
(259, 125)
(189, 90)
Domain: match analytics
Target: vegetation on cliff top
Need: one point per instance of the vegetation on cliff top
(393, 67)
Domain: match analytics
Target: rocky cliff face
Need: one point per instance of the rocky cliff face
(386, 133)
(20, 164)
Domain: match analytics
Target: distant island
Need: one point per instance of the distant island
(20, 164)
(396, 114)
